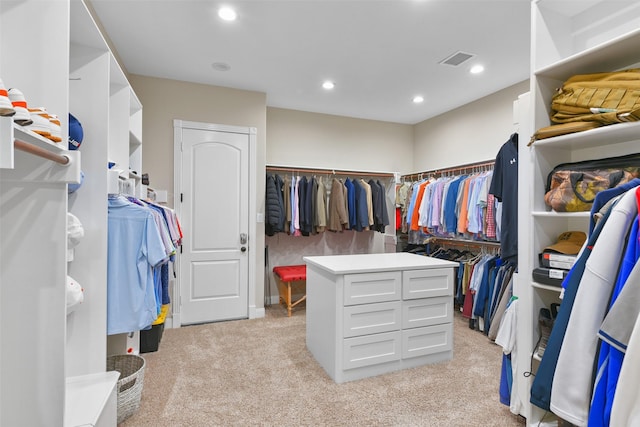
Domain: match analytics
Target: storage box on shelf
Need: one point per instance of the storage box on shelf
(567, 39)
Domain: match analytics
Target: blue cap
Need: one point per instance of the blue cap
(72, 188)
(75, 133)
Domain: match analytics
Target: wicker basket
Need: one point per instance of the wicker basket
(130, 382)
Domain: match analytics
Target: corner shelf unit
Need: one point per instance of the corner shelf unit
(568, 38)
(53, 361)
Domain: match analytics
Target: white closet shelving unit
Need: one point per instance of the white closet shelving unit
(53, 362)
(568, 38)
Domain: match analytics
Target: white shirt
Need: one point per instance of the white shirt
(506, 339)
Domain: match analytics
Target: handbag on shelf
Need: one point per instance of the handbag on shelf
(606, 98)
(587, 101)
(572, 187)
(562, 129)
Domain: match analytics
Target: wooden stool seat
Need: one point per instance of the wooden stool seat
(286, 275)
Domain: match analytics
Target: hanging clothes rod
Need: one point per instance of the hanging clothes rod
(40, 152)
(465, 243)
(483, 165)
(327, 171)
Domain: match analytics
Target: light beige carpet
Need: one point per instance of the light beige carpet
(259, 373)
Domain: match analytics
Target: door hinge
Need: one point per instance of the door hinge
(174, 273)
(181, 197)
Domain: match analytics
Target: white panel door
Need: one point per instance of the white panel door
(214, 263)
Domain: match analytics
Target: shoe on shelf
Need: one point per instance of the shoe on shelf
(545, 324)
(40, 122)
(19, 103)
(56, 132)
(6, 109)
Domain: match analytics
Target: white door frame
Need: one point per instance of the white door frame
(178, 125)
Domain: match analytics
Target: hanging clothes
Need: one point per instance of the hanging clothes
(579, 347)
(286, 198)
(274, 205)
(338, 213)
(321, 207)
(506, 338)
(134, 249)
(454, 207)
(362, 208)
(626, 401)
(295, 203)
(504, 186)
(369, 201)
(351, 203)
(543, 381)
(172, 228)
(415, 216)
(406, 216)
(587, 290)
(609, 357)
(503, 297)
(401, 204)
(304, 206)
(379, 197)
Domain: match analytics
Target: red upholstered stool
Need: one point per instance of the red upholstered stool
(286, 275)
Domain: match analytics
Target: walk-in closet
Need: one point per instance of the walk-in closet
(344, 213)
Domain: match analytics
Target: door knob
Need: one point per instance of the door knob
(243, 249)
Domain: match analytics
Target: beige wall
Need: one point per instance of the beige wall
(299, 138)
(165, 100)
(303, 139)
(471, 133)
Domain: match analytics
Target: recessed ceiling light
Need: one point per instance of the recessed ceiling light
(328, 85)
(477, 69)
(227, 14)
(418, 99)
(221, 66)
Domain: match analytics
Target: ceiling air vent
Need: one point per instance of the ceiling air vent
(457, 58)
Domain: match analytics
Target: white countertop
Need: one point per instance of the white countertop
(345, 264)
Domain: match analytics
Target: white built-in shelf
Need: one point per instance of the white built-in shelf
(134, 139)
(612, 134)
(560, 215)
(87, 397)
(6, 143)
(38, 146)
(72, 308)
(568, 38)
(567, 8)
(546, 287)
(33, 138)
(609, 56)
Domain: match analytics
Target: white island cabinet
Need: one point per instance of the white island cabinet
(371, 314)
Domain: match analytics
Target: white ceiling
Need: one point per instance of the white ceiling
(380, 53)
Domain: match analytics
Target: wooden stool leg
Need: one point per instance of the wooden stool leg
(289, 298)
